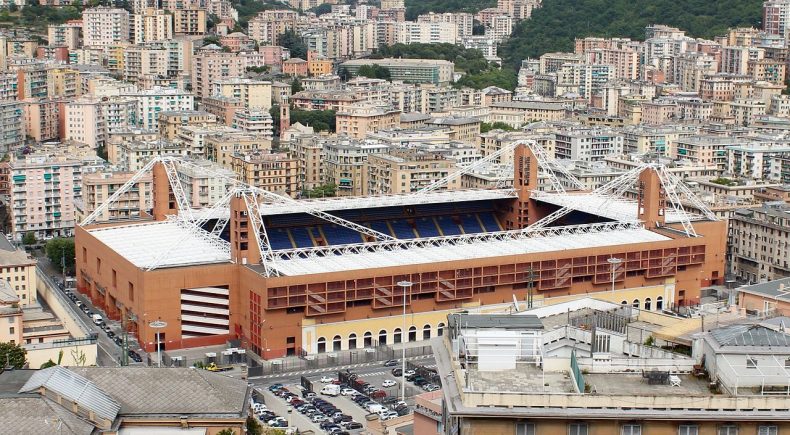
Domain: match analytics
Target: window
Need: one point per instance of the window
(337, 343)
(440, 329)
(367, 339)
(114, 278)
(396, 335)
(577, 429)
(11, 330)
(659, 303)
(636, 303)
(751, 363)
(98, 266)
(648, 303)
(352, 341)
(767, 430)
(728, 429)
(688, 429)
(131, 291)
(382, 337)
(525, 428)
(321, 344)
(426, 332)
(412, 333)
(631, 429)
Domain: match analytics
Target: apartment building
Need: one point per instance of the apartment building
(90, 120)
(408, 70)
(308, 150)
(273, 172)
(64, 82)
(18, 271)
(151, 25)
(344, 164)
(463, 21)
(220, 148)
(150, 102)
(254, 121)
(171, 121)
(103, 26)
(189, 21)
(776, 17)
(132, 152)
(193, 137)
(755, 160)
(98, 186)
(254, 94)
(704, 149)
(212, 65)
(358, 121)
(43, 189)
(203, 189)
(267, 26)
(518, 113)
(587, 144)
(42, 119)
(66, 34)
(658, 140)
(462, 129)
(410, 32)
(407, 171)
(12, 132)
(325, 100)
(759, 245)
(224, 108)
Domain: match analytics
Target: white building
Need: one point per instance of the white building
(103, 26)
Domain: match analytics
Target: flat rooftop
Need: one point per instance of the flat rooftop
(166, 242)
(389, 254)
(627, 383)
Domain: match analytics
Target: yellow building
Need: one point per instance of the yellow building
(170, 121)
(18, 269)
(220, 148)
(406, 171)
(462, 129)
(255, 94)
(98, 186)
(319, 67)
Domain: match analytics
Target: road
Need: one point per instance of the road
(109, 353)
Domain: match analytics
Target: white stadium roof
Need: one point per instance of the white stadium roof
(619, 209)
(340, 259)
(165, 243)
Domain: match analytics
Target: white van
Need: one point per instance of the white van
(375, 408)
(97, 319)
(330, 390)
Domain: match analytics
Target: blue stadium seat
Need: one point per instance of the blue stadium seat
(470, 224)
(449, 228)
(381, 227)
(490, 222)
(338, 235)
(427, 228)
(278, 239)
(402, 229)
(301, 238)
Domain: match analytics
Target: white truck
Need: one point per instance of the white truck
(330, 390)
(96, 319)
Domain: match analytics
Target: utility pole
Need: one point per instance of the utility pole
(63, 263)
(530, 287)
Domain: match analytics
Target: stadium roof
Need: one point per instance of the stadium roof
(618, 209)
(389, 254)
(165, 243)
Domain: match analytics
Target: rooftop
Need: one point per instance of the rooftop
(166, 242)
(308, 261)
(777, 289)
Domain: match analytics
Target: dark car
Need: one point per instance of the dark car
(135, 356)
(397, 372)
(353, 425)
(111, 335)
(118, 341)
(390, 363)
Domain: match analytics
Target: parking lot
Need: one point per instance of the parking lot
(383, 400)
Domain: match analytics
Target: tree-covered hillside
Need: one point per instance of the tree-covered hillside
(554, 26)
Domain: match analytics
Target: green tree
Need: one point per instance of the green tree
(322, 191)
(29, 238)
(48, 364)
(374, 72)
(227, 431)
(61, 248)
(498, 125)
(253, 427)
(320, 120)
(296, 86)
(294, 43)
(12, 355)
(555, 25)
(322, 9)
(419, 7)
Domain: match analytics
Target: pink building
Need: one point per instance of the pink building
(42, 119)
(57, 53)
(272, 54)
(212, 64)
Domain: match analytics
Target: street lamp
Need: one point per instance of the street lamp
(614, 262)
(405, 285)
(157, 325)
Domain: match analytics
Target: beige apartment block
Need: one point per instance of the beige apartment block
(407, 171)
(254, 94)
(103, 26)
(18, 270)
(220, 148)
(359, 120)
(273, 172)
(212, 65)
(151, 25)
(99, 186)
(171, 121)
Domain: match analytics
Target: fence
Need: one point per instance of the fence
(337, 359)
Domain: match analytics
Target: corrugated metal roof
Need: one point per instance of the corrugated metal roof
(74, 387)
(749, 335)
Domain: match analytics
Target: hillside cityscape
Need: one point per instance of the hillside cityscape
(394, 217)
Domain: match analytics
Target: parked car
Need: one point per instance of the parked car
(135, 356)
(353, 425)
(388, 383)
(325, 380)
(397, 372)
(118, 341)
(111, 335)
(348, 392)
(390, 363)
(318, 418)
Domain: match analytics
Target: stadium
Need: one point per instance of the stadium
(293, 277)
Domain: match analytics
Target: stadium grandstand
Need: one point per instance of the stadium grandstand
(292, 277)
